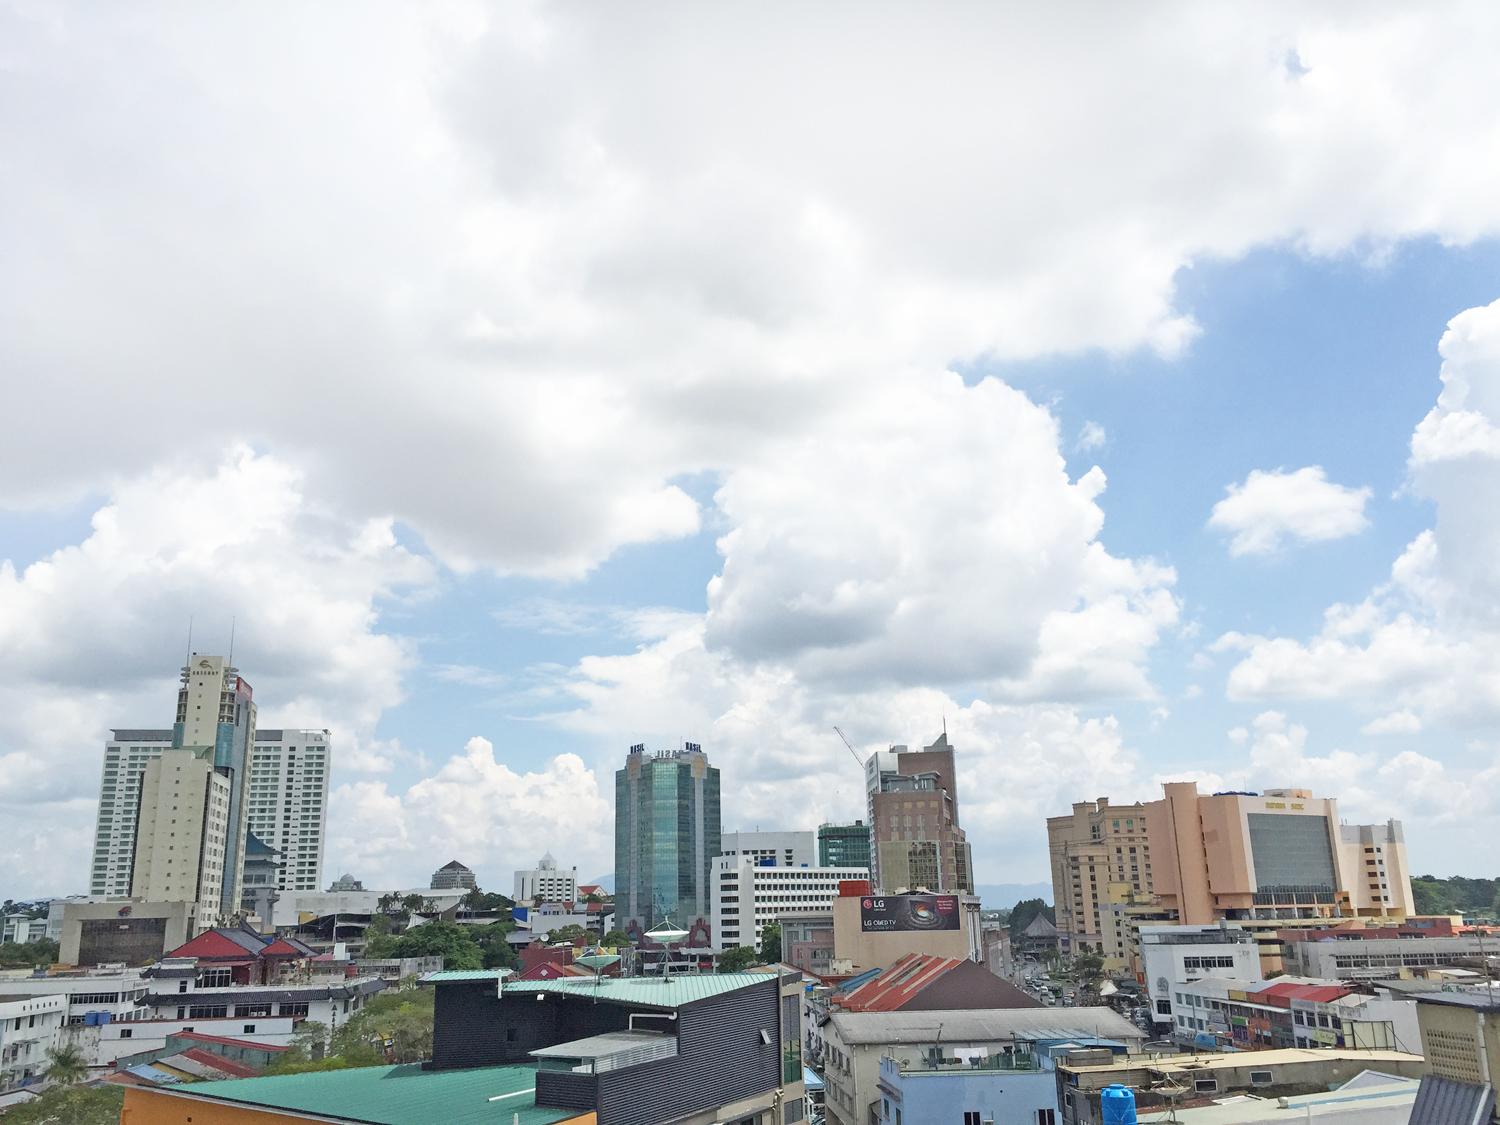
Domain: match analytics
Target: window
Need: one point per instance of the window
(1046, 1117)
(971, 1116)
(1206, 1085)
(249, 1029)
(1260, 1078)
(126, 1033)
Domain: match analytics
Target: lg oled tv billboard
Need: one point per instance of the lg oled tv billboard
(880, 914)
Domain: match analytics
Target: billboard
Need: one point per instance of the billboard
(882, 914)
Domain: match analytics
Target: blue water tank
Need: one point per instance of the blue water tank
(1117, 1105)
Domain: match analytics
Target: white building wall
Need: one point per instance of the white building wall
(102, 1045)
(746, 896)
(115, 993)
(125, 758)
(29, 1027)
(1167, 965)
(546, 882)
(786, 849)
(288, 801)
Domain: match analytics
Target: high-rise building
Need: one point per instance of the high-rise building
(126, 756)
(1101, 862)
(216, 710)
(749, 894)
(288, 802)
(916, 841)
(182, 834)
(780, 849)
(452, 876)
(1280, 854)
(844, 845)
(667, 835)
(546, 882)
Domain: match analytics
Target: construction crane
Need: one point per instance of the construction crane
(849, 744)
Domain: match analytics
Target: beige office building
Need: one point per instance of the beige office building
(1281, 854)
(182, 831)
(916, 841)
(1101, 865)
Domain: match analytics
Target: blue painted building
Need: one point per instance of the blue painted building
(1004, 1089)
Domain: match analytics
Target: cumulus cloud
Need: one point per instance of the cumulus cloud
(92, 634)
(488, 271)
(1423, 648)
(493, 818)
(1272, 507)
(1090, 437)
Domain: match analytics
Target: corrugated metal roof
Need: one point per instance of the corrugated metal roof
(647, 992)
(445, 976)
(394, 1095)
(1442, 1101)
(985, 1024)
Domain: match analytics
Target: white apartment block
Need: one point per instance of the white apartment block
(286, 793)
(783, 849)
(29, 1027)
(746, 895)
(288, 800)
(546, 882)
(1173, 956)
(183, 833)
(21, 929)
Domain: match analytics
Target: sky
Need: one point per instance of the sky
(519, 382)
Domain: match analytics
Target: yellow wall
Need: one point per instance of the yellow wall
(151, 1107)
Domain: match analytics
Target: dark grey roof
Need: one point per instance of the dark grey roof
(453, 865)
(1442, 1101)
(140, 734)
(1461, 1000)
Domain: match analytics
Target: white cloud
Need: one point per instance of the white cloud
(491, 817)
(1274, 506)
(1422, 649)
(91, 635)
(1091, 437)
(493, 275)
(937, 541)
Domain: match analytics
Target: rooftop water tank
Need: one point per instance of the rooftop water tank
(1117, 1105)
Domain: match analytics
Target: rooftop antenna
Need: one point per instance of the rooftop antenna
(231, 642)
(189, 659)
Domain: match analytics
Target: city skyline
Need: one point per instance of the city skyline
(511, 408)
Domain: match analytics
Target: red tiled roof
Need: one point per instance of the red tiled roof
(281, 948)
(199, 1037)
(222, 945)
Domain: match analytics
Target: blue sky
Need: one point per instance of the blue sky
(1080, 391)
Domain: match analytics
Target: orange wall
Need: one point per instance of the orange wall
(150, 1107)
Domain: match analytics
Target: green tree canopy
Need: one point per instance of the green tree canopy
(43, 951)
(66, 1064)
(72, 1105)
(453, 943)
(1023, 913)
(770, 943)
(616, 939)
(736, 959)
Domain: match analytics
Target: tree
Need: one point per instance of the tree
(770, 944)
(389, 903)
(392, 1027)
(72, 1105)
(43, 951)
(616, 939)
(1086, 971)
(453, 943)
(66, 1064)
(736, 959)
(413, 903)
(571, 933)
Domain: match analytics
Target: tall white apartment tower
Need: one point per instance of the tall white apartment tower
(126, 756)
(182, 833)
(288, 801)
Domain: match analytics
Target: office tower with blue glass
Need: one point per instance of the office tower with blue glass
(667, 834)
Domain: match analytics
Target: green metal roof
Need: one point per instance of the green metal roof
(464, 974)
(394, 1095)
(647, 992)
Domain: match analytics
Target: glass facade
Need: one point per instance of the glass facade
(667, 833)
(1291, 854)
(844, 845)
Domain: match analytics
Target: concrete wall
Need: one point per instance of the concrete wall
(880, 951)
(178, 919)
(182, 833)
(1005, 1097)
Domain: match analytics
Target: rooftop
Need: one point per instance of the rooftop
(645, 992)
(1281, 1056)
(984, 1025)
(394, 1095)
(1385, 1102)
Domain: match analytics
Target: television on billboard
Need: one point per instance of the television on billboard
(882, 914)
